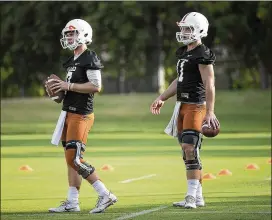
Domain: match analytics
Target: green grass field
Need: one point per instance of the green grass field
(130, 139)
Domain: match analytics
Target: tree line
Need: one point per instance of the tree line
(134, 39)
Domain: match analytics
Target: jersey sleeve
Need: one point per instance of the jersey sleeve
(94, 76)
(206, 57)
(92, 61)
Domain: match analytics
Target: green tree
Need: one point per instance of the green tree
(30, 43)
(245, 27)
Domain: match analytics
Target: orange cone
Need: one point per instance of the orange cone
(25, 168)
(107, 167)
(225, 172)
(252, 166)
(269, 161)
(209, 176)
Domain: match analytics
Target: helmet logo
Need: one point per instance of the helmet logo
(71, 27)
(75, 33)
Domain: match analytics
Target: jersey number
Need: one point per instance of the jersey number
(181, 64)
(69, 76)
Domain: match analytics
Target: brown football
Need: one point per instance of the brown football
(57, 97)
(209, 131)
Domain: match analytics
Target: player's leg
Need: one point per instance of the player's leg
(74, 180)
(180, 129)
(190, 140)
(76, 140)
(199, 196)
(71, 204)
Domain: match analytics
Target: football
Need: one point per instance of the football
(209, 131)
(57, 97)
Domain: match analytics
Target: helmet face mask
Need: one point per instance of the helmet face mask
(186, 34)
(76, 33)
(193, 27)
(69, 40)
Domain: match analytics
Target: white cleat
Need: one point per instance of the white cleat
(66, 206)
(104, 202)
(199, 202)
(190, 202)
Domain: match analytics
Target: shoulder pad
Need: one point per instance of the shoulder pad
(205, 56)
(90, 61)
(68, 62)
(180, 51)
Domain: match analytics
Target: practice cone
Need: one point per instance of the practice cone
(25, 168)
(107, 167)
(269, 161)
(252, 166)
(225, 172)
(209, 176)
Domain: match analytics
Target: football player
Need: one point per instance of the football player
(195, 90)
(83, 80)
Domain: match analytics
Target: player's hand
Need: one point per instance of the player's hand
(59, 86)
(211, 120)
(156, 106)
(46, 89)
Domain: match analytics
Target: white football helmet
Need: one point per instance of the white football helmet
(193, 26)
(75, 33)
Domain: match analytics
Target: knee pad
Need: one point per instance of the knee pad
(192, 137)
(83, 168)
(75, 145)
(63, 143)
(193, 164)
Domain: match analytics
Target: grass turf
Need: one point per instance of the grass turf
(130, 139)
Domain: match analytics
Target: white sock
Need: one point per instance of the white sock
(199, 191)
(192, 187)
(72, 194)
(100, 188)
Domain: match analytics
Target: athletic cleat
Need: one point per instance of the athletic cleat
(190, 202)
(199, 202)
(104, 202)
(66, 206)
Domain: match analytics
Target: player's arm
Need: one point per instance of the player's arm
(170, 91)
(87, 87)
(94, 85)
(207, 75)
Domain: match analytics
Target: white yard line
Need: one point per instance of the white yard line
(132, 215)
(139, 178)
